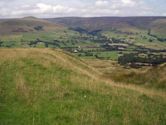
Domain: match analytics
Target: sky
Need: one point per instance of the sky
(81, 8)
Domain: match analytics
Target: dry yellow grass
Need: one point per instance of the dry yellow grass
(85, 67)
(107, 66)
(47, 86)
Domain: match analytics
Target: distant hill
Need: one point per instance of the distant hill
(158, 27)
(126, 24)
(158, 24)
(30, 17)
(27, 24)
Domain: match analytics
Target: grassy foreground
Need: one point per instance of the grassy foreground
(50, 87)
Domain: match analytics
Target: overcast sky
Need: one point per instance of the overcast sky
(83, 8)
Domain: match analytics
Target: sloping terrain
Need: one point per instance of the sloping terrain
(33, 32)
(27, 24)
(119, 23)
(150, 77)
(46, 86)
(71, 32)
(158, 27)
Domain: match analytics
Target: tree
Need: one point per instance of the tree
(149, 31)
(38, 28)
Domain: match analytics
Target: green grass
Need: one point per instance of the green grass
(111, 55)
(45, 87)
(50, 36)
(141, 39)
(66, 38)
(22, 40)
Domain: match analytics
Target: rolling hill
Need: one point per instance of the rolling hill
(120, 23)
(124, 24)
(159, 27)
(26, 25)
(48, 86)
(23, 32)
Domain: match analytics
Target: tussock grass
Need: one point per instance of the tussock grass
(45, 87)
(149, 77)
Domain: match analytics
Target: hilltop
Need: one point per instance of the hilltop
(26, 25)
(32, 32)
(128, 24)
(48, 86)
(30, 17)
(125, 24)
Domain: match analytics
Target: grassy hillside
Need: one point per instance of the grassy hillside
(44, 86)
(158, 27)
(34, 32)
(150, 77)
(125, 24)
(83, 32)
(28, 24)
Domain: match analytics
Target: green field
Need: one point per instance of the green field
(141, 39)
(110, 55)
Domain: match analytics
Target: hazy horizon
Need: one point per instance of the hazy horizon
(82, 17)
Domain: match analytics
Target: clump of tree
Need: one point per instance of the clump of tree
(1, 43)
(38, 28)
(134, 59)
(88, 54)
(8, 44)
(34, 43)
(155, 36)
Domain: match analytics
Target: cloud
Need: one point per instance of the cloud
(129, 2)
(58, 8)
(36, 10)
(45, 8)
(101, 3)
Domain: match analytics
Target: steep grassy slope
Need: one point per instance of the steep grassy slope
(49, 87)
